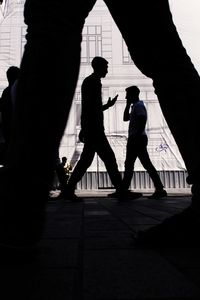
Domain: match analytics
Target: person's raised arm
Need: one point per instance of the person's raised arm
(126, 116)
(110, 102)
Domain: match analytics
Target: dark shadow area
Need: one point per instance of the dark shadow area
(87, 251)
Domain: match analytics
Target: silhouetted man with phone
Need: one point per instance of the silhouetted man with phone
(92, 130)
(136, 114)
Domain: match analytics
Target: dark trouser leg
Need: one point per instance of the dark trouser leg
(131, 155)
(107, 155)
(147, 164)
(47, 81)
(48, 77)
(82, 165)
(157, 51)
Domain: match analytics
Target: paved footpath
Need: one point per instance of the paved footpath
(87, 253)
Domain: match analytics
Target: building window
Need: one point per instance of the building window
(5, 44)
(91, 43)
(126, 58)
(77, 100)
(23, 39)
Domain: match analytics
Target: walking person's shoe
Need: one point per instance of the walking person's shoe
(158, 194)
(125, 195)
(69, 195)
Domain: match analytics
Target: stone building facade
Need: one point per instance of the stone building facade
(101, 37)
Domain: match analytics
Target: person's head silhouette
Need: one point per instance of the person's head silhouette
(100, 66)
(12, 74)
(132, 94)
(64, 160)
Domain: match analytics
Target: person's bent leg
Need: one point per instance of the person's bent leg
(81, 167)
(156, 49)
(131, 155)
(144, 158)
(47, 81)
(48, 75)
(107, 155)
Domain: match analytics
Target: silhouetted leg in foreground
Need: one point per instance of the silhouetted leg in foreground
(176, 82)
(47, 82)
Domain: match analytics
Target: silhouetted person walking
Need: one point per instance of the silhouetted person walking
(62, 171)
(66, 166)
(92, 129)
(135, 112)
(50, 65)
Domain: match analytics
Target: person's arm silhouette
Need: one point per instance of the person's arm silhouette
(110, 102)
(126, 116)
